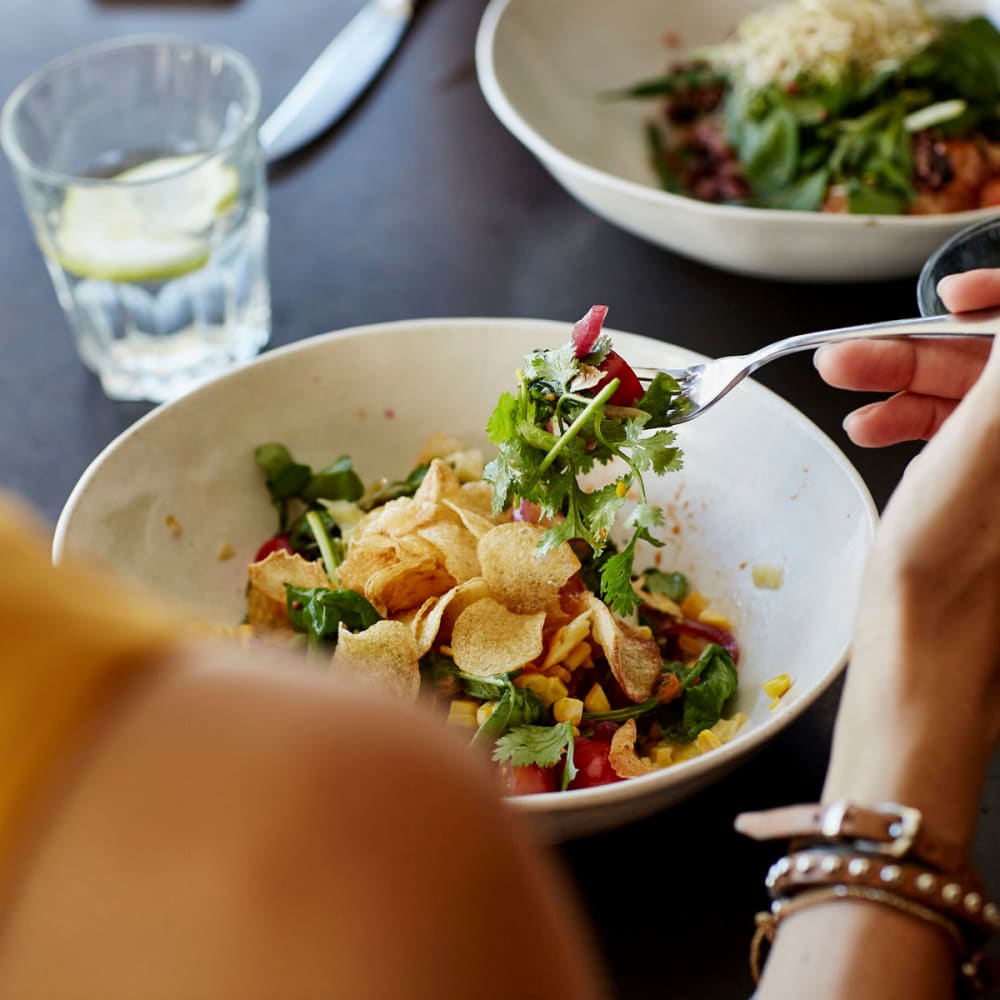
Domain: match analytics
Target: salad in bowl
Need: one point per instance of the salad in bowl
(498, 595)
(860, 106)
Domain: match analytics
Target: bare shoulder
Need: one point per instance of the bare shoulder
(237, 831)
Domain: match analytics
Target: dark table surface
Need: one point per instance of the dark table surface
(420, 204)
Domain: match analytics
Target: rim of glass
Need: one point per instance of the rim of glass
(27, 165)
(927, 296)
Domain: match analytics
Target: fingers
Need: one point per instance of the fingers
(903, 417)
(978, 289)
(944, 368)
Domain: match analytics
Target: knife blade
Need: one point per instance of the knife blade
(337, 78)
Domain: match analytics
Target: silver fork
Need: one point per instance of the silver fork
(706, 383)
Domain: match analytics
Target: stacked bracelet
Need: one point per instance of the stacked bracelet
(883, 856)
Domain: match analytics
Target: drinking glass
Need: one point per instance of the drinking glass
(141, 173)
(975, 246)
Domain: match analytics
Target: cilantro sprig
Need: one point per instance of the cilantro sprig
(565, 419)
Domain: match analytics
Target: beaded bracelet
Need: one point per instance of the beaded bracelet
(883, 855)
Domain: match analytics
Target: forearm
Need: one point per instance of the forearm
(896, 741)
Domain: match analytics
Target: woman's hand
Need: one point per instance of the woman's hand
(921, 709)
(927, 377)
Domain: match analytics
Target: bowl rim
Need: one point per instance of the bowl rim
(546, 804)
(549, 154)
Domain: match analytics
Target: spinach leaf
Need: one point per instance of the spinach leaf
(865, 199)
(769, 150)
(804, 195)
(702, 704)
(318, 611)
(394, 490)
(672, 585)
(338, 481)
(286, 478)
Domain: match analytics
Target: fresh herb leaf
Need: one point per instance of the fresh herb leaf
(526, 745)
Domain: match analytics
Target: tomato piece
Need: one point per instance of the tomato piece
(588, 329)
(592, 765)
(604, 731)
(630, 391)
(528, 780)
(279, 543)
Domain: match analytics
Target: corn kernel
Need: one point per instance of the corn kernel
(485, 711)
(685, 751)
(225, 551)
(707, 740)
(446, 651)
(556, 691)
(621, 489)
(767, 577)
(713, 616)
(538, 683)
(777, 686)
(694, 604)
(690, 646)
(462, 713)
(577, 656)
(644, 632)
(558, 671)
(568, 710)
(567, 639)
(549, 689)
(726, 729)
(596, 700)
(775, 702)
(662, 756)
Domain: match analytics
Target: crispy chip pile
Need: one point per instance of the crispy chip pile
(448, 579)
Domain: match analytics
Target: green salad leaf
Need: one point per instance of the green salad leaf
(708, 685)
(525, 745)
(319, 611)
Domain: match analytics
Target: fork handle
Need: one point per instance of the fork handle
(982, 323)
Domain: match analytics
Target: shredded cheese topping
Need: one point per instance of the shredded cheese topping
(823, 38)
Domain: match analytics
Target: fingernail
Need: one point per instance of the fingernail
(817, 353)
(944, 284)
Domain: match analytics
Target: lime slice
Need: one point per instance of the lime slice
(153, 228)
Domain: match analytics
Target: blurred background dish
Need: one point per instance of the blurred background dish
(762, 486)
(543, 67)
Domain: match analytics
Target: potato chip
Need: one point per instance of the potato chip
(267, 604)
(406, 584)
(488, 639)
(456, 548)
(383, 656)
(635, 660)
(366, 555)
(398, 518)
(567, 638)
(519, 576)
(465, 594)
(425, 622)
(440, 481)
(477, 497)
(661, 603)
(438, 446)
(474, 523)
(624, 761)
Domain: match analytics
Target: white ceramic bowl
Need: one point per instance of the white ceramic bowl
(542, 65)
(761, 485)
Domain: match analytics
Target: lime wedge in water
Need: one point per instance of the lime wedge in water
(143, 230)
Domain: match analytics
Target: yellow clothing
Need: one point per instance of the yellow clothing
(69, 640)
